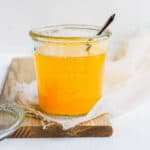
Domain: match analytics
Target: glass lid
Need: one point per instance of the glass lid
(11, 117)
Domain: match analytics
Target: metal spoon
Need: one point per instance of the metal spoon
(107, 23)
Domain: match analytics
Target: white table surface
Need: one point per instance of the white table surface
(131, 131)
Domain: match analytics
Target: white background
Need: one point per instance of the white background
(17, 17)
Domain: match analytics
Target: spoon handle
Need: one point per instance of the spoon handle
(107, 23)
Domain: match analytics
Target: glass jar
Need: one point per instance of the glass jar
(69, 63)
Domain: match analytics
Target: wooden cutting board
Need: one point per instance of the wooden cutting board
(22, 70)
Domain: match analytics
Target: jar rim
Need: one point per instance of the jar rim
(37, 34)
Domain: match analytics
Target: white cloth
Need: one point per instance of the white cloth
(127, 81)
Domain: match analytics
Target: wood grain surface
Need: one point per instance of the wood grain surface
(97, 127)
(22, 70)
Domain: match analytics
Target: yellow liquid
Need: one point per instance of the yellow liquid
(69, 85)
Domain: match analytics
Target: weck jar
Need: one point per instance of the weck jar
(69, 64)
